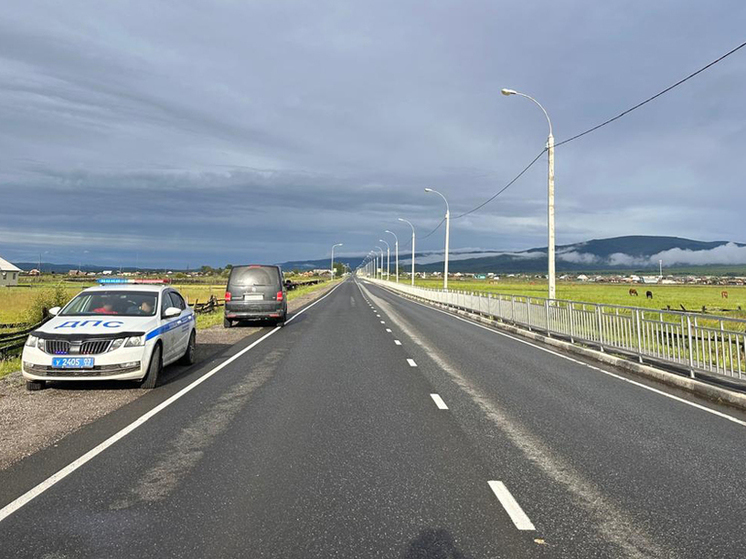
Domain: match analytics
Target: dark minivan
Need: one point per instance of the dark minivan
(255, 292)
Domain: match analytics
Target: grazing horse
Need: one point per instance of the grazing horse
(633, 292)
(649, 294)
(724, 294)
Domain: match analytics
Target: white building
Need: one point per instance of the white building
(8, 273)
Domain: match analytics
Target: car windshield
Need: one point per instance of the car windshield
(254, 276)
(121, 303)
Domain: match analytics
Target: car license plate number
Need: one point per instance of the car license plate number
(253, 297)
(72, 362)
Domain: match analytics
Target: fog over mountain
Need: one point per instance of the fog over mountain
(597, 254)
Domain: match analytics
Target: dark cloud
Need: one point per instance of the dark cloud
(181, 133)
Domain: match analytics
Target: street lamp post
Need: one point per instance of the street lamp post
(550, 194)
(379, 248)
(388, 258)
(448, 232)
(337, 245)
(396, 245)
(412, 226)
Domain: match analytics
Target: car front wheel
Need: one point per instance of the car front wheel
(188, 358)
(154, 369)
(35, 384)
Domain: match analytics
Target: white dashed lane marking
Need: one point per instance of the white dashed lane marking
(511, 506)
(397, 342)
(411, 363)
(439, 401)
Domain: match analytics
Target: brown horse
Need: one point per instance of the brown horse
(633, 292)
(724, 294)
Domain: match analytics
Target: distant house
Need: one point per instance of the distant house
(582, 277)
(8, 273)
(34, 272)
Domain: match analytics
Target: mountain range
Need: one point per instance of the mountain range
(634, 252)
(641, 252)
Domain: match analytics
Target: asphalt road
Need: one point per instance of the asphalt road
(373, 426)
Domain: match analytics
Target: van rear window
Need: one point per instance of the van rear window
(254, 276)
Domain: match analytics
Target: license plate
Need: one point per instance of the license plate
(72, 362)
(253, 297)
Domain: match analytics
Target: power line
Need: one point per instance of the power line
(649, 99)
(593, 129)
(504, 188)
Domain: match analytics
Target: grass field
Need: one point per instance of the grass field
(692, 297)
(15, 303)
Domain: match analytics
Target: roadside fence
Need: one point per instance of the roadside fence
(692, 342)
(12, 342)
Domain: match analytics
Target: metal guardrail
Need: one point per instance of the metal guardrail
(691, 341)
(11, 342)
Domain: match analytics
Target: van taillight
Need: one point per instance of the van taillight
(279, 295)
(227, 295)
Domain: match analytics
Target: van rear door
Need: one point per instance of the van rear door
(255, 285)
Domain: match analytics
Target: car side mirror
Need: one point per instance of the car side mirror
(171, 312)
(54, 311)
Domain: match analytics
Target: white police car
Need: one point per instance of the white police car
(116, 331)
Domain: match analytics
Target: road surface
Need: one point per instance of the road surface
(374, 426)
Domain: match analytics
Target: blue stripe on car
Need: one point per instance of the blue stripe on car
(168, 326)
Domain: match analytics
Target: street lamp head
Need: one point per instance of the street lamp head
(428, 190)
(400, 219)
(381, 241)
(387, 231)
(508, 91)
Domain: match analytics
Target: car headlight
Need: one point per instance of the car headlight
(116, 344)
(135, 341)
(37, 342)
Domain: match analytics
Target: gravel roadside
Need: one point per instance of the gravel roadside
(30, 421)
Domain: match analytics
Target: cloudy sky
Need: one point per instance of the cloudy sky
(181, 133)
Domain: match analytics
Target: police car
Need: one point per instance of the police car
(120, 330)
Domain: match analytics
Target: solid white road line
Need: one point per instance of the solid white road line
(593, 367)
(511, 506)
(31, 494)
(439, 401)
(411, 363)
(397, 342)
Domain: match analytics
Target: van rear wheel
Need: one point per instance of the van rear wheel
(227, 323)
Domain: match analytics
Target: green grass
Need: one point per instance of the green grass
(8, 366)
(692, 297)
(15, 302)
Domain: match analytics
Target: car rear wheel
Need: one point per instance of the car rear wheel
(35, 385)
(188, 358)
(227, 323)
(154, 369)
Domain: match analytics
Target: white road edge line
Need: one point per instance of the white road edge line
(511, 506)
(411, 363)
(439, 401)
(397, 342)
(593, 367)
(31, 494)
